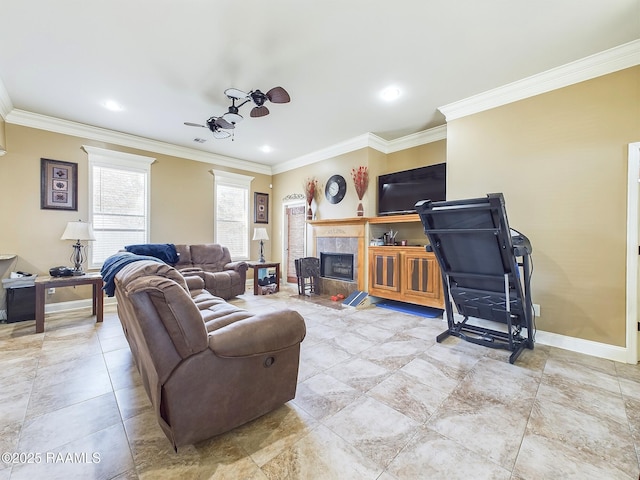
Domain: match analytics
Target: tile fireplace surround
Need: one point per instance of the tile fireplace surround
(341, 236)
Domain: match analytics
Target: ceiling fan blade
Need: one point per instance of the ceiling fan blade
(232, 117)
(222, 123)
(235, 93)
(259, 111)
(191, 124)
(278, 95)
(221, 134)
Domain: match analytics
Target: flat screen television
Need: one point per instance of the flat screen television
(399, 192)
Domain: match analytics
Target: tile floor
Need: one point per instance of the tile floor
(378, 398)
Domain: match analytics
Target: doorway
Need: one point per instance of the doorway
(633, 251)
(293, 235)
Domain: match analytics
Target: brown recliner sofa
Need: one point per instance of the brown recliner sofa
(222, 277)
(206, 365)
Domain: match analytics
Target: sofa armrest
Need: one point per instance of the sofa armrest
(194, 282)
(262, 333)
(194, 277)
(239, 266)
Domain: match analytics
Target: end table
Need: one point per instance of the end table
(260, 270)
(42, 283)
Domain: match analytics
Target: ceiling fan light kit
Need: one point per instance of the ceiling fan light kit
(219, 125)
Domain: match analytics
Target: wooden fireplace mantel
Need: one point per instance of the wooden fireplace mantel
(340, 221)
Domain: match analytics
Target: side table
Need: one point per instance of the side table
(260, 270)
(43, 283)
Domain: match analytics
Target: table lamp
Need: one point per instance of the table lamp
(261, 234)
(78, 231)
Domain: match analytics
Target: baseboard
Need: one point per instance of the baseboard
(578, 345)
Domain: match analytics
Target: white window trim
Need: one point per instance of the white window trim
(125, 161)
(236, 179)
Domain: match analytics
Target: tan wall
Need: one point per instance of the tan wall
(428, 154)
(181, 200)
(561, 161)
(378, 163)
(559, 158)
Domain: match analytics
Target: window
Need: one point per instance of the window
(118, 201)
(231, 193)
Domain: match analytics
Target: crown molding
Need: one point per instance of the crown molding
(416, 139)
(369, 140)
(66, 127)
(356, 143)
(603, 63)
(5, 102)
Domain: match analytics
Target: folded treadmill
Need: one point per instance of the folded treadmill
(486, 270)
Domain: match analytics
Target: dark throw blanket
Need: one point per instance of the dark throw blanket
(164, 251)
(114, 264)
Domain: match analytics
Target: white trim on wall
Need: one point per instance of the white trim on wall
(603, 63)
(609, 61)
(5, 102)
(579, 345)
(633, 177)
(573, 344)
(65, 127)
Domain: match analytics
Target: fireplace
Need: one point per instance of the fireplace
(338, 266)
(340, 237)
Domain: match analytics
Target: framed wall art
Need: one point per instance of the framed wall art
(58, 185)
(260, 207)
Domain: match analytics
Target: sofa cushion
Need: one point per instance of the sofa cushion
(215, 318)
(211, 257)
(179, 314)
(184, 253)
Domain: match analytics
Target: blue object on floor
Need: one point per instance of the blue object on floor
(410, 308)
(355, 299)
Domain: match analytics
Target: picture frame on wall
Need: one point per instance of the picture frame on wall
(58, 185)
(260, 207)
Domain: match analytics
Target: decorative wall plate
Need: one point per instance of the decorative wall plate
(335, 189)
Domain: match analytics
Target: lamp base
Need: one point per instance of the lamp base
(77, 257)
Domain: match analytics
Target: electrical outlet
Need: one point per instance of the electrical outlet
(536, 309)
(51, 291)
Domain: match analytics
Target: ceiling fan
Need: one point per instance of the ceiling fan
(227, 121)
(216, 125)
(275, 95)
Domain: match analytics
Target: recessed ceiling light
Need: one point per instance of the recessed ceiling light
(266, 148)
(113, 106)
(390, 93)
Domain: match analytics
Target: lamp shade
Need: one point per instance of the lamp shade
(78, 231)
(260, 234)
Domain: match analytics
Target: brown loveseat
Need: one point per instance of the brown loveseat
(222, 277)
(206, 365)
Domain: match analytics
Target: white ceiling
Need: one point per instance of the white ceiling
(168, 62)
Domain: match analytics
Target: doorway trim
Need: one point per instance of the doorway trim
(294, 200)
(633, 177)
